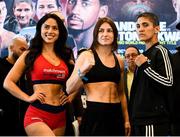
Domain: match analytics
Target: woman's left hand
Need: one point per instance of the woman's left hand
(127, 127)
(63, 99)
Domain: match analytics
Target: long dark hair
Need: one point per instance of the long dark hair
(36, 43)
(96, 31)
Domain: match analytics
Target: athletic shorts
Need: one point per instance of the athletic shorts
(53, 120)
(101, 119)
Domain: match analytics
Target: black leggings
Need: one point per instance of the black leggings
(102, 119)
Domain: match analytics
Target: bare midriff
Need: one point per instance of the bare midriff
(51, 92)
(105, 92)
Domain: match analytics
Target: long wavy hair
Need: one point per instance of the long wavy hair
(36, 44)
(96, 32)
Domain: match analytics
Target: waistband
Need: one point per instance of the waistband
(47, 107)
(103, 106)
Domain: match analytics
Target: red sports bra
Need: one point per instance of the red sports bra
(44, 72)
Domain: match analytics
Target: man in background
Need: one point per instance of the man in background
(82, 16)
(176, 5)
(42, 7)
(131, 52)
(11, 115)
(23, 16)
(132, 8)
(5, 35)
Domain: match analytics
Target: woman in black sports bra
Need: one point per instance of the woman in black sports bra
(100, 71)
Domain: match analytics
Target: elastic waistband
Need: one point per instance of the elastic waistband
(48, 108)
(103, 106)
(48, 81)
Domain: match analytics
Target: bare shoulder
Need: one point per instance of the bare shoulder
(120, 60)
(86, 55)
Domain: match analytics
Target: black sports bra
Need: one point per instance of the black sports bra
(100, 73)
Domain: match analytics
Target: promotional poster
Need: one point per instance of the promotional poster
(81, 16)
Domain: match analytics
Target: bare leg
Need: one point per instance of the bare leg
(59, 131)
(39, 129)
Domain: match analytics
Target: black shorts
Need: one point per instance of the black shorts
(101, 119)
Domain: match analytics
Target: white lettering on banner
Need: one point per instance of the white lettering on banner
(127, 33)
(131, 26)
(125, 26)
(169, 36)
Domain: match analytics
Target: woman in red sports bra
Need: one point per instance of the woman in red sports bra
(100, 71)
(47, 62)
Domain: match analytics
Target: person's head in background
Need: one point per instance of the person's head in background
(83, 14)
(5, 35)
(131, 52)
(17, 46)
(147, 27)
(105, 34)
(42, 7)
(134, 7)
(3, 13)
(23, 11)
(176, 5)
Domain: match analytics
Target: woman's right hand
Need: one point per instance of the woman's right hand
(37, 96)
(88, 63)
